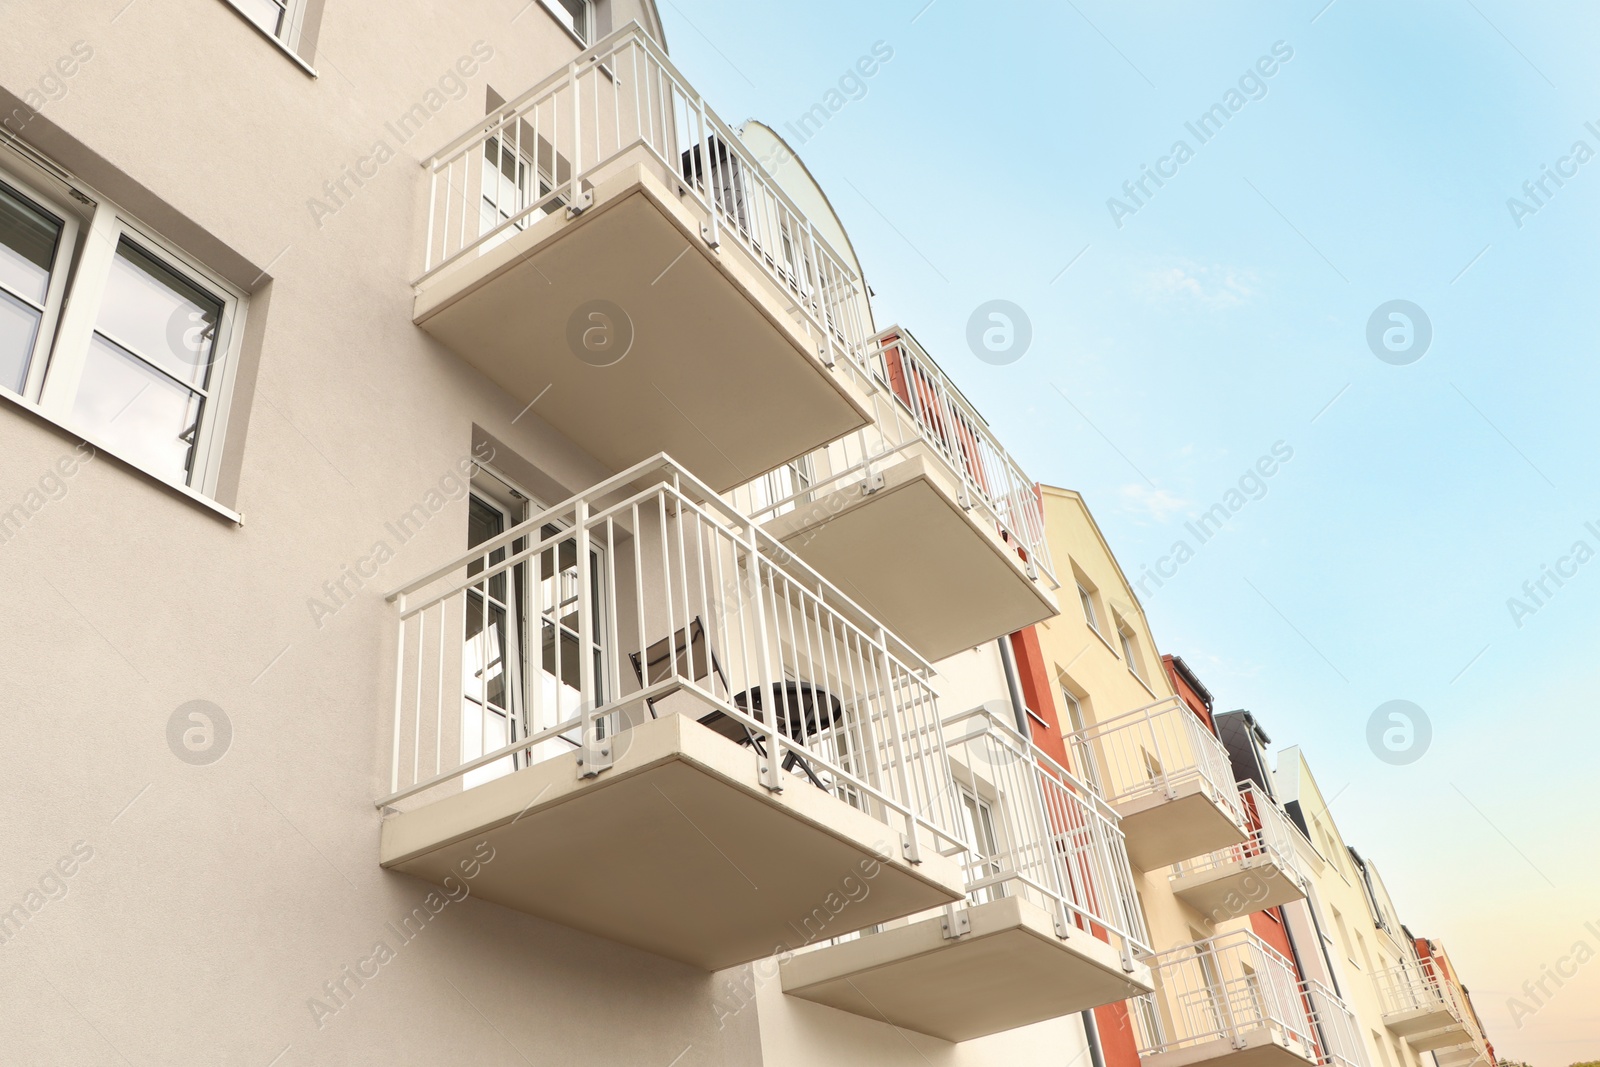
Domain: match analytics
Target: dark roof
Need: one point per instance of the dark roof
(1191, 679)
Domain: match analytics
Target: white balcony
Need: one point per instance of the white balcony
(1259, 874)
(687, 742)
(1169, 779)
(1472, 1054)
(1234, 1001)
(922, 515)
(606, 237)
(1419, 1008)
(1051, 924)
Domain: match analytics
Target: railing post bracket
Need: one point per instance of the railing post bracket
(709, 232)
(908, 848)
(580, 203)
(957, 922)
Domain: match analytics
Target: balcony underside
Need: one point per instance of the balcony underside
(1415, 1022)
(1239, 888)
(719, 374)
(1011, 970)
(1443, 1036)
(677, 850)
(1466, 1055)
(1257, 1048)
(933, 572)
(1162, 830)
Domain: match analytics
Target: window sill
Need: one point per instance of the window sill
(1109, 646)
(276, 43)
(1144, 684)
(568, 30)
(101, 448)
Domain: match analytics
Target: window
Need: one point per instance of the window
(278, 19)
(1081, 750)
(111, 333)
(1130, 649)
(521, 647)
(514, 190)
(35, 251)
(980, 828)
(1086, 598)
(780, 491)
(576, 15)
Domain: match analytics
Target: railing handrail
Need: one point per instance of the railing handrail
(1033, 540)
(1009, 731)
(1142, 713)
(1205, 969)
(1044, 787)
(607, 583)
(630, 33)
(703, 498)
(819, 272)
(1221, 942)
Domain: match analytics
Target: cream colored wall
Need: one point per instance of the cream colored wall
(1357, 946)
(1102, 676)
(1094, 662)
(218, 902)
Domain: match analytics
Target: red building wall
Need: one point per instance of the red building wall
(1117, 1041)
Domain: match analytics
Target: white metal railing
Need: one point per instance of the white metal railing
(1338, 1035)
(544, 151)
(643, 596)
(1406, 988)
(1271, 839)
(1224, 988)
(1039, 833)
(915, 405)
(1153, 751)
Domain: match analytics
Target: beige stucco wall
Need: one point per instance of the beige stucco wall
(1356, 945)
(209, 906)
(1100, 675)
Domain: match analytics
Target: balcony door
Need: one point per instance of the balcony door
(512, 183)
(508, 693)
(492, 650)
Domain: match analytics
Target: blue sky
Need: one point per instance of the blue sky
(1229, 313)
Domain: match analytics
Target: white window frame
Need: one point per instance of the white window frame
(60, 278)
(584, 35)
(294, 17)
(53, 383)
(1130, 647)
(1090, 616)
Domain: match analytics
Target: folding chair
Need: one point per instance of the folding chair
(688, 654)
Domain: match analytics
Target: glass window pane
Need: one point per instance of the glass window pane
(161, 315)
(573, 14)
(137, 411)
(28, 239)
(19, 325)
(268, 14)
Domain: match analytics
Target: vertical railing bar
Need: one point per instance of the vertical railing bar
(399, 704)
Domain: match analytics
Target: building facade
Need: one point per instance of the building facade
(533, 612)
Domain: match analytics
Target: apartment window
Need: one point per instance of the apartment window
(1082, 752)
(780, 491)
(576, 15)
(1130, 649)
(1086, 598)
(35, 251)
(981, 831)
(278, 19)
(110, 332)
